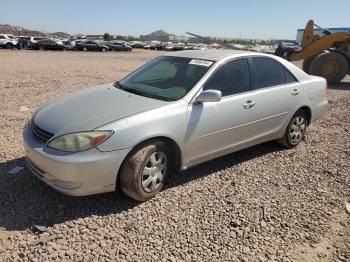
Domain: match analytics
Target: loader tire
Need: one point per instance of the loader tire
(306, 64)
(330, 65)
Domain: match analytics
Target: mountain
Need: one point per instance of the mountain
(159, 35)
(13, 30)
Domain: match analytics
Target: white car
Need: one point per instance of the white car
(7, 41)
(175, 112)
(35, 39)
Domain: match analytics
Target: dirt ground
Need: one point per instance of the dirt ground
(260, 204)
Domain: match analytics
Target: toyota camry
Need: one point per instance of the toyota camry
(174, 112)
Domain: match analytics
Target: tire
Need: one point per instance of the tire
(306, 64)
(9, 46)
(331, 65)
(103, 50)
(145, 170)
(84, 49)
(295, 131)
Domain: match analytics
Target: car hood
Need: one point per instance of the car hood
(91, 108)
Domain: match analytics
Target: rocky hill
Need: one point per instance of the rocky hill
(13, 30)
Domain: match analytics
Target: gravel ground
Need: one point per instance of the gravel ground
(260, 204)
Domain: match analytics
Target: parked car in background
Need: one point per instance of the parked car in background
(34, 39)
(136, 44)
(147, 45)
(48, 44)
(90, 46)
(174, 47)
(175, 112)
(157, 46)
(70, 44)
(7, 41)
(119, 47)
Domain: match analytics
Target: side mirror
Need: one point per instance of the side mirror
(208, 96)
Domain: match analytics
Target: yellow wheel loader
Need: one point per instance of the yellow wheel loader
(327, 55)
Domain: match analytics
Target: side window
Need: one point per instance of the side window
(232, 78)
(270, 73)
(2, 37)
(289, 77)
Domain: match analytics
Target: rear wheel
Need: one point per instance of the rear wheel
(295, 131)
(330, 65)
(143, 173)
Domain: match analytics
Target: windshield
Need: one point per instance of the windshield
(166, 78)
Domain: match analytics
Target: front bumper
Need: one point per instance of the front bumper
(77, 174)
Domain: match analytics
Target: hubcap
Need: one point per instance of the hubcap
(297, 130)
(154, 171)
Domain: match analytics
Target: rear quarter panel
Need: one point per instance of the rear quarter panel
(315, 96)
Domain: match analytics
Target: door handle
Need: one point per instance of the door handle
(249, 104)
(295, 92)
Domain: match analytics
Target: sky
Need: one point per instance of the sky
(258, 19)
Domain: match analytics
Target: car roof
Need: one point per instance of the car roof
(209, 54)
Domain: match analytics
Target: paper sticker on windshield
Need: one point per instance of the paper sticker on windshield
(200, 62)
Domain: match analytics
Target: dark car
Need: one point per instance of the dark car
(174, 47)
(137, 45)
(119, 47)
(47, 44)
(157, 46)
(90, 46)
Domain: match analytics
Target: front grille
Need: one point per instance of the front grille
(41, 134)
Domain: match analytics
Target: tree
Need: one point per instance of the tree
(107, 37)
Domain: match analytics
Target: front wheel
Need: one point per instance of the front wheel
(9, 46)
(143, 173)
(295, 131)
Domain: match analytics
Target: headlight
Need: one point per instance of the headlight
(81, 141)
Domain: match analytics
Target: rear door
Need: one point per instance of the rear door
(276, 96)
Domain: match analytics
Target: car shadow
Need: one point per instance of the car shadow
(340, 86)
(26, 201)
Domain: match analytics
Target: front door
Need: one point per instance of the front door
(215, 128)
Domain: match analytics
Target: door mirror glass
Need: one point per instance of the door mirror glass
(209, 96)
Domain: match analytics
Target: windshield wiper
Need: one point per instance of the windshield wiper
(132, 90)
(119, 85)
(139, 92)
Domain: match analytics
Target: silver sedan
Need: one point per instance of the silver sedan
(172, 113)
